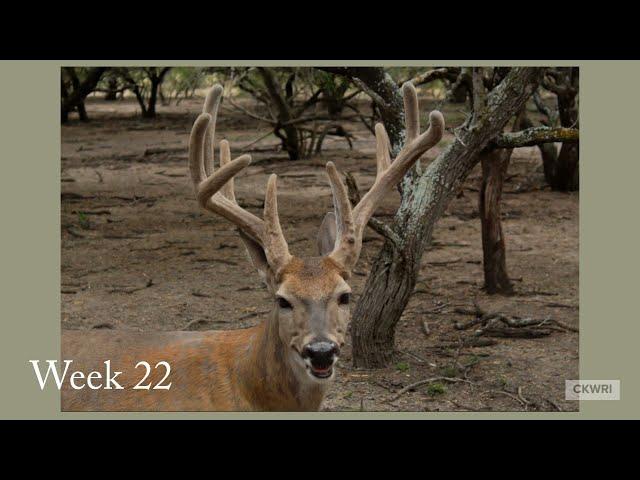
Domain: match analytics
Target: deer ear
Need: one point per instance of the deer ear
(327, 234)
(256, 253)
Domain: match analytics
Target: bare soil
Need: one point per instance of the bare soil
(137, 254)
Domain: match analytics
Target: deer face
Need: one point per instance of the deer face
(312, 304)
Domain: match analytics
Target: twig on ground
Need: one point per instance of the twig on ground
(132, 289)
(425, 328)
(414, 385)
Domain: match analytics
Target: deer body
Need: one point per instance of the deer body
(286, 362)
(235, 370)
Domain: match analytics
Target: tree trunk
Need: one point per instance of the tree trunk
(75, 99)
(395, 270)
(563, 175)
(288, 134)
(64, 95)
(112, 90)
(461, 88)
(82, 111)
(494, 168)
(150, 111)
(548, 152)
(566, 174)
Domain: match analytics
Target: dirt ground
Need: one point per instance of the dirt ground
(138, 254)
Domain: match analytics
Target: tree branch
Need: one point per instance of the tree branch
(428, 76)
(535, 136)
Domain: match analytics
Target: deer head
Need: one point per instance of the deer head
(311, 296)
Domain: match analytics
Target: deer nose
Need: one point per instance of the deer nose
(321, 353)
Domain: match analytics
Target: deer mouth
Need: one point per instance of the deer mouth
(321, 372)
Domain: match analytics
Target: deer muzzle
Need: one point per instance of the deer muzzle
(320, 356)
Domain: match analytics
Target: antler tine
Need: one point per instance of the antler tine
(211, 104)
(275, 245)
(345, 245)
(388, 174)
(383, 150)
(227, 189)
(196, 165)
(207, 187)
(411, 112)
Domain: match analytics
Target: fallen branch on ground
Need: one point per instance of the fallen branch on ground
(495, 324)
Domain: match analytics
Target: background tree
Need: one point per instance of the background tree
(289, 100)
(561, 171)
(144, 82)
(495, 162)
(181, 83)
(385, 93)
(76, 84)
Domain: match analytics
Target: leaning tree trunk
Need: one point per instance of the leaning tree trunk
(494, 168)
(395, 270)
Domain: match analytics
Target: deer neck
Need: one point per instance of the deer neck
(267, 379)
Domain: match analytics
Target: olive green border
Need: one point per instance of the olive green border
(30, 238)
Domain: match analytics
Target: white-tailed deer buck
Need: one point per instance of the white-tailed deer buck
(286, 362)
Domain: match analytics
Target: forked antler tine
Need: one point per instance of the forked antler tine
(206, 187)
(383, 150)
(209, 187)
(211, 104)
(275, 245)
(227, 189)
(411, 112)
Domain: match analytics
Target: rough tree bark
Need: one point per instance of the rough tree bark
(74, 99)
(395, 270)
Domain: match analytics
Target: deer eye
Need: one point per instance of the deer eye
(283, 303)
(344, 299)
